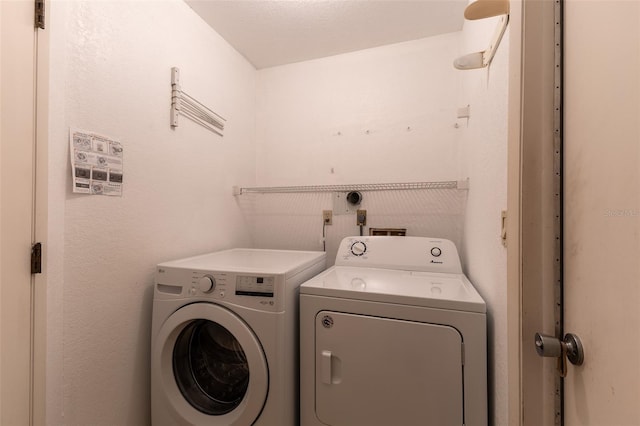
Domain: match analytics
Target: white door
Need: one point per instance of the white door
(389, 369)
(16, 208)
(602, 210)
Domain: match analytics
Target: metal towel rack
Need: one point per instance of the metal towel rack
(188, 106)
(463, 184)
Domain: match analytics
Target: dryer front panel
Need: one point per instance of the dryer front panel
(210, 366)
(378, 371)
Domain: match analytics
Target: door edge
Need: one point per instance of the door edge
(39, 281)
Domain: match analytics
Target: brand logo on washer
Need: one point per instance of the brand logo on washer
(327, 321)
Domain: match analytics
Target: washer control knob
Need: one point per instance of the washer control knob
(207, 284)
(358, 248)
(436, 252)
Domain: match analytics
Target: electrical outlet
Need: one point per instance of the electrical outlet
(327, 217)
(361, 218)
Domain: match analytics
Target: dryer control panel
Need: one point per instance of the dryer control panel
(407, 253)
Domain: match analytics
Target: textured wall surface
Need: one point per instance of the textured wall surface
(111, 65)
(385, 114)
(379, 115)
(483, 142)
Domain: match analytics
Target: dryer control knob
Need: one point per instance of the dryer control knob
(358, 248)
(207, 284)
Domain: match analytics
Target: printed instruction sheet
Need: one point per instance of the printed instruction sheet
(96, 163)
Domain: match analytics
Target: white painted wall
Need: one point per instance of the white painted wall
(110, 73)
(483, 143)
(378, 115)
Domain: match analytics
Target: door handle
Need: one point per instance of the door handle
(326, 367)
(570, 348)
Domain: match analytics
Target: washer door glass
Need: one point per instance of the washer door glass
(210, 367)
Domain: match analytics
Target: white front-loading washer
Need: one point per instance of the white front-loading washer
(224, 344)
(393, 334)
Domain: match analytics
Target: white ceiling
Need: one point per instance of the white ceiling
(270, 33)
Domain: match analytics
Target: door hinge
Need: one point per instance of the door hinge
(39, 20)
(36, 258)
(503, 226)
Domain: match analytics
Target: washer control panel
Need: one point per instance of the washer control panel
(411, 253)
(211, 284)
(250, 290)
(255, 286)
(207, 283)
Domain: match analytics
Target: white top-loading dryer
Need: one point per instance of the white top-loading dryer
(393, 334)
(224, 337)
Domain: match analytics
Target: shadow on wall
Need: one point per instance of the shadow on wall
(294, 220)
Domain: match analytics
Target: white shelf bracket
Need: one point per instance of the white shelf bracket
(481, 9)
(175, 96)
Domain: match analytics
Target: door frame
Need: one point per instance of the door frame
(514, 220)
(38, 194)
(531, 232)
(39, 315)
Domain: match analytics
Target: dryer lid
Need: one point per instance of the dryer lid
(434, 290)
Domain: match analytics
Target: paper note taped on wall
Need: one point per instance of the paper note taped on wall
(96, 163)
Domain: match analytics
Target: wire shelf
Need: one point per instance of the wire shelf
(355, 187)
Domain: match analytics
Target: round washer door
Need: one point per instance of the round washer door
(212, 369)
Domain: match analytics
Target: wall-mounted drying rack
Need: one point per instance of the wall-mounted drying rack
(481, 9)
(188, 106)
(461, 184)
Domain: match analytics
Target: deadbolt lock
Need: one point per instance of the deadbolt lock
(570, 348)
